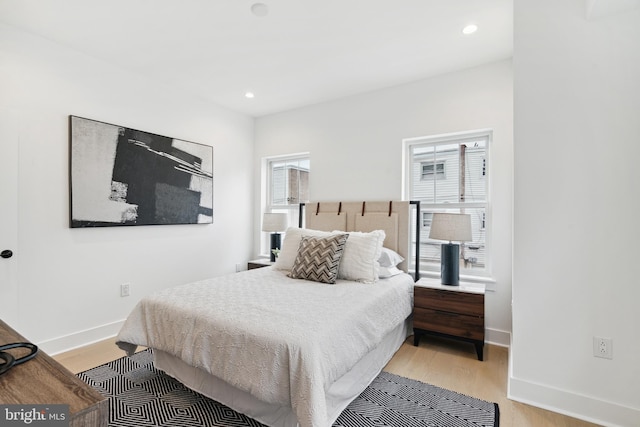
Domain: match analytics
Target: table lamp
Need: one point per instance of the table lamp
(274, 223)
(454, 228)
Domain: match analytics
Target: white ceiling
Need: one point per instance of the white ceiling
(303, 52)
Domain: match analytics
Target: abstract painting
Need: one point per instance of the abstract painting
(122, 176)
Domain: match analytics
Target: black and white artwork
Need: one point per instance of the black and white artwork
(122, 176)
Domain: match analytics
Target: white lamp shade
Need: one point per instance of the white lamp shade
(274, 222)
(451, 227)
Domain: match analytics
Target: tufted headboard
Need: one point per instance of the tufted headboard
(393, 217)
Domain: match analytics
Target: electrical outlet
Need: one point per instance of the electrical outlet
(125, 288)
(603, 347)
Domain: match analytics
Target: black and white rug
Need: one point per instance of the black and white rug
(140, 395)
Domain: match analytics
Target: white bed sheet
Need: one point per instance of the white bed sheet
(282, 341)
(338, 396)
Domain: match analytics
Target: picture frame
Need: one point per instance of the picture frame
(119, 176)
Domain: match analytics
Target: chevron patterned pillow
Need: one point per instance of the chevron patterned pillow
(318, 258)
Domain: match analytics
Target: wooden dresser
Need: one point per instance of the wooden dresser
(43, 381)
(450, 311)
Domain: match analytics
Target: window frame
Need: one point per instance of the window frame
(425, 206)
(435, 172)
(292, 209)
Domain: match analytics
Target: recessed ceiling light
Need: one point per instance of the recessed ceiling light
(259, 9)
(249, 95)
(470, 29)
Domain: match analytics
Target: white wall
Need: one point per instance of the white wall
(576, 233)
(355, 146)
(69, 279)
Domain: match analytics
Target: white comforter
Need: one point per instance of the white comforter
(280, 339)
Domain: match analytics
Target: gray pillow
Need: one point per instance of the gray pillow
(318, 258)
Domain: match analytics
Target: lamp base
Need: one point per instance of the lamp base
(450, 264)
(275, 244)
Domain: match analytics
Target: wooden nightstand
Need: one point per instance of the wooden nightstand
(449, 311)
(258, 263)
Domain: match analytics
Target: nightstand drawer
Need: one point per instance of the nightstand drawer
(455, 302)
(459, 325)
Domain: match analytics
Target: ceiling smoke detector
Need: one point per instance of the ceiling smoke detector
(260, 9)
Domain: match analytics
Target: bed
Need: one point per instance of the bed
(274, 343)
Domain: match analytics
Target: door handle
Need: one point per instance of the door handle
(6, 253)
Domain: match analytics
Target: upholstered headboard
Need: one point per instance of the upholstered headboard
(392, 216)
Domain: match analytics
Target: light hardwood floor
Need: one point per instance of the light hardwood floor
(444, 363)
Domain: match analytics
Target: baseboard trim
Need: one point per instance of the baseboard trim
(586, 408)
(81, 338)
(497, 337)
(90, 336)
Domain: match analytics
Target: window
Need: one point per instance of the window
(449, 173)
(288, 181)
(287, 185)
(431, 170)
(426, 219)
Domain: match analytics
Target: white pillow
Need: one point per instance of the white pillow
(360, 258)
(389, 258)
(386, 272)
(290, 245)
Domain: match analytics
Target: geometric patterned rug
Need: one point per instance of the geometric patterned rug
(141, 395)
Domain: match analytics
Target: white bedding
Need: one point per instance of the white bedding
(282, 340)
